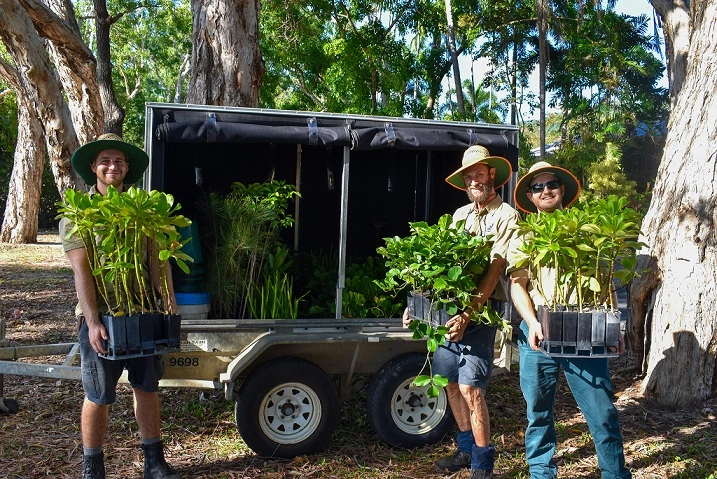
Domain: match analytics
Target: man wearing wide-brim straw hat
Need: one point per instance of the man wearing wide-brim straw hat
(466, 359)
(544, 189)
(109, 161)
(528, 192)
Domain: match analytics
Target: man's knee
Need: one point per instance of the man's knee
(473, 396)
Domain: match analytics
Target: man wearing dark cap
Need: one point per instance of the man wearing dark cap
(106, 162)
(467, 357)
(544, 189)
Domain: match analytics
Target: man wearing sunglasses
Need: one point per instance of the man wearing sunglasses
(545, 189)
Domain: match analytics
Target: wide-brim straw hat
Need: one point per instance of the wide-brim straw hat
(82, 159)
(571, 183)
(479, 154)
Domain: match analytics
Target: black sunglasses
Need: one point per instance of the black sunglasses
(552, 185)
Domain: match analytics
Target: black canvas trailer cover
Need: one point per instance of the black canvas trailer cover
(203, 124)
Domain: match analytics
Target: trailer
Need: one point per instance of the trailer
(361, 178)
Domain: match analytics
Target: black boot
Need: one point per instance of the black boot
(481, 474)
(8, 406)
(459, 460)
(155, 467)
(93, 467)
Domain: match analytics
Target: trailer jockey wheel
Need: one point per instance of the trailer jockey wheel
(286, 408)
(8, 406)
(402, 414)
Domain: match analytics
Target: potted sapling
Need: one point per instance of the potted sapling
(127, 236)
(591, 250)
(440, 267)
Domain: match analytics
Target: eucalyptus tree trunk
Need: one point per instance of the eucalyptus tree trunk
(454, 58)
(113, 112)
(23, 204)
(677, 351)
(514, 82)
(676, 19)
(227, 67)
(41, 90)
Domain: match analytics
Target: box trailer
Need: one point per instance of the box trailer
(361, 178)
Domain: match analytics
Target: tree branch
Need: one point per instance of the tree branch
(51, 26)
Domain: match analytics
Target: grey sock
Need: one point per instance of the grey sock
(91, 451)
(149, 442)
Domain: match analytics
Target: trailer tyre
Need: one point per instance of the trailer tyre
(286, 408)
(401, 413)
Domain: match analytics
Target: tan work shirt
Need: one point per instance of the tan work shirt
(496, 219)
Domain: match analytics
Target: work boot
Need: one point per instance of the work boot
(93, 467)
(155, 467)
(8, 406)
(456, 462)
(481, 474)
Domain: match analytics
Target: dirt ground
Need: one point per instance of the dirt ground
(43, 440)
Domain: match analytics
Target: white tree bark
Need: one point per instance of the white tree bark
(676, 25)
(41, 90)
(680, 229)
(227, 67)
(23, 203)
(74, 61)
(454, 57)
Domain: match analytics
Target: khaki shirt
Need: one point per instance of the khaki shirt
(497, 219)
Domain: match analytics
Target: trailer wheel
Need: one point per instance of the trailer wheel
(401, 413)
(286, 408)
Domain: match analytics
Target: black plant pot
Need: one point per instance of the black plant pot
(171, 325)
(419, 307)
(592, 334)
(143, 334)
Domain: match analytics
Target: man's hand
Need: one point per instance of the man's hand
(97, 334)
(535, 335)
(406, 320)
(457, 326)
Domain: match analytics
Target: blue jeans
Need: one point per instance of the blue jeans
(589, 381)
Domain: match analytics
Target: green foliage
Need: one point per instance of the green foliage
(239, 233)
(125, 226)
(605, 177)
(275, 299)
(274, 196)
(334, 57)
(442, 260)
(362, 297)
(582, 244)
(445, 263)
(149, 42)
(8, 137)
